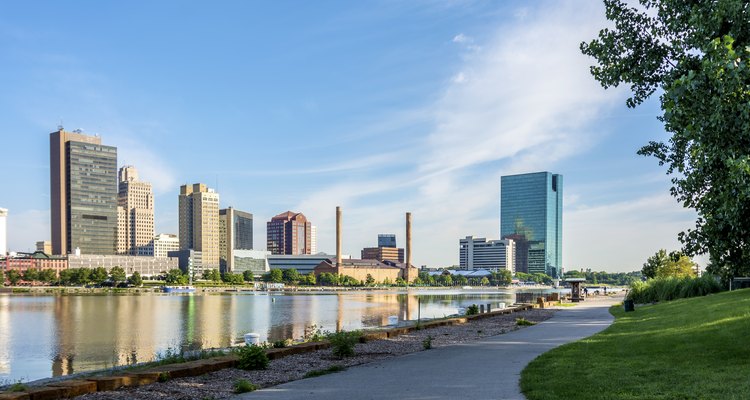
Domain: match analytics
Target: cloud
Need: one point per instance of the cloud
(461, 38)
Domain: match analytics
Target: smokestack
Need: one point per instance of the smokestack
(408, 241)
(338, 236)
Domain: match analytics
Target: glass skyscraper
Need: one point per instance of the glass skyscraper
(531, 214)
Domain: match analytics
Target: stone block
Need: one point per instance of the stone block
(14, 396)
(140, 378)
(75, 387)
(45, 393)
(105, 383)
(371, 336)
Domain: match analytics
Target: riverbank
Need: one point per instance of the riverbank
(220, 384)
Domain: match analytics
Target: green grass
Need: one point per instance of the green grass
(320, 372)
(692, 348)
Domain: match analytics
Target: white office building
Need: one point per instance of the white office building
(3, 232)
(163, 243)
(493, 255)
(313, 239)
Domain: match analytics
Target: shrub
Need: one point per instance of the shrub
(524, 322)
(279, 344)
(321, 372)
(163, 376)
(252, 357)
(17, 387)
(244, 386)
(427, 343)
(472, 309)
(671, 288)
(343, 342)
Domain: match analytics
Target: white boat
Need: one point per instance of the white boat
(178, 289)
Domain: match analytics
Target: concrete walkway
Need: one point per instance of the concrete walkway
(486, 369)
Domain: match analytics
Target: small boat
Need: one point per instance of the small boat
(178, 289)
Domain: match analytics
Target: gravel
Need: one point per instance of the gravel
(220, 384)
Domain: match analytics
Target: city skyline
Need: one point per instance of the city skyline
(425, 115)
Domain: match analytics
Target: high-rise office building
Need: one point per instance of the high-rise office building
(83, 194)
(3, 231)
(387, 240)
(235, 233)
(531, 215)
(135, 205)
(479, 253)
(199, 222)
(45, 246)
(313, 239)
(289, 233)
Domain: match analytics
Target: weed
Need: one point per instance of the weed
(320, 372)
(163, 376)
(244, 386)
(472, 309)
(252, 357)
(524, 322)
(279, 344)
(343, 342)
(17, 387)
(427, 342)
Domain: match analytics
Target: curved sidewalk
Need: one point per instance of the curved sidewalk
(485, 369)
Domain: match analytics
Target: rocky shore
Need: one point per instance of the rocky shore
(220, 384)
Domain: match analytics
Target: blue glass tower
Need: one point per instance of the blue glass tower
(531, 214)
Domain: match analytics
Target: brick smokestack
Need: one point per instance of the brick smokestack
(408, 241)
(338, 236)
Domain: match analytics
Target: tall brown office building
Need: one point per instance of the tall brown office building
(235, 233)
(83, 193)
(199, 222)
(135, 214)
(289, 233)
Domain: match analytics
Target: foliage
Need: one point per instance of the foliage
(17, 387)
(472, 309)
(48, 275)
(387, 282)
(602, 277)
(290, 276)
(244, 386)
(460, 280)
(320, 372)
(445, 280)
(313, 333)
(13, 277)
(674, 264)
(211, 275)
(670, 288)
(279, 344)
(176, 277)
(248, 276)
(697, 52)
(343, 342)
(163, 376)
(502, 277)
(99, 275)
(484, 281)
(328, 279)
(252, 357)
(524, 322)
(232, 279)
(31, 275)
(369, 280)
(117, 274)
(400, 281)
(685, 349)
(310, 279)
(427, 342)
(274, 275)
(135, 279)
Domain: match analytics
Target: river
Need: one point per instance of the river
(42, 336)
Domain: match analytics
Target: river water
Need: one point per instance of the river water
(44, 336)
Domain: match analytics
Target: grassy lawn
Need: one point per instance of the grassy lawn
(693, 348)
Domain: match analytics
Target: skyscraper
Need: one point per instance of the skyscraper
(313, 239)
(531, 215)
(235, 233)
(135, 205)
(83, 193)
(3, 231)
(199, 222)
(289, 233)
(387, 240)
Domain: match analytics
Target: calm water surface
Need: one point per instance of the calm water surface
(44, 336)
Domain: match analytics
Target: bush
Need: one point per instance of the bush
(244, 386)
(163, 376)
(343, 342)
(472, 309)
(252, 357)
(427, 343)
(671, 288)
(279, 344)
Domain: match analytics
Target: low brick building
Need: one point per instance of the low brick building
(359, 269)
(37, 260)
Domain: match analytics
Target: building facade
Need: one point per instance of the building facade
(531, 215)
(199, 222)
(190, 262)
(45, 246)
(235, 233)
(383, 253)
(37, 260)
(387, 240)
(289, 233)
(135, 206)
(163, 243)
(313, 239)
(255, 261)
(493, 255)
(303, 263)
(146, 266)
(83, 193)
(3, 232)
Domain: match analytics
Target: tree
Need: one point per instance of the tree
(654, 263)
(117, 274)
(484, 281)
(214, 275)
(135, 279)
(460, 280)
(310, 279)
(369, 280)
(290, 276)
(66, 277)
(2, 278)
(233, 279)
(328, 279)
(678, 266)
(31, 275)
(81, 276)
(13, 277)
(274, 275)
(248, 276)
(400, 281)
(176, 277)
(445, 280)
(697, 52)
(99, 275)
(48, 276)
(502, 277)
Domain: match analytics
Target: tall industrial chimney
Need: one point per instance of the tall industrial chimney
(408, 245)
(338, 236)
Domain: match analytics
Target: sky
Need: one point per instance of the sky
(380, 107)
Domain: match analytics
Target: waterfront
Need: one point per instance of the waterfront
(53, 335)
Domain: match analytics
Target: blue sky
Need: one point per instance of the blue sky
(381, 107)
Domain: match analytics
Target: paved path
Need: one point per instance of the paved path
(486, 369)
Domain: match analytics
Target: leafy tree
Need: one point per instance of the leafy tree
(233, 279)
(13, 277)
(31, 275)
(400, 281)
(66, 277)
(460, 280)
(328, 279)
(484, 281)
(176, 277)
(387, 282)
(369, 280)
(274, 275)
(310, 279)
(654, 263)
(214, 276)
(135, 279)
(81, 276)
(445, 280)
(48, 275)
(522, 276)
(99, 275)
(248, 276)
(290, 276)
(697, 52)
(502, 277)
(678, 266)
(117, 274)
(2, 277)
(206, 275)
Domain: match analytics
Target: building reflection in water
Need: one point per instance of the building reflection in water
(76, 333)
